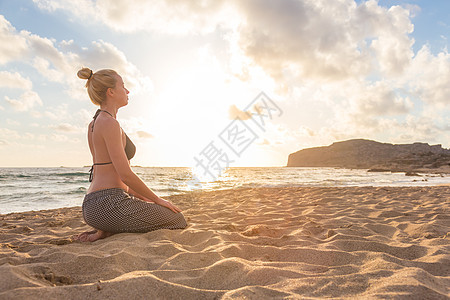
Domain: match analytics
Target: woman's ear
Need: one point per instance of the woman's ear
(110, 92)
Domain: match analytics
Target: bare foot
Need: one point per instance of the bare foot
(91, 236)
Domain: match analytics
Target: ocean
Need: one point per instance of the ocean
(26, 189)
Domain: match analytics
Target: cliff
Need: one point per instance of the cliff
(367, 154)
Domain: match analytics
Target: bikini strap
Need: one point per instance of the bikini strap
(90, 173)
(95, 118)
(92, 169)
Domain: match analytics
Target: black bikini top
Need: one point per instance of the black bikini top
(130, 148)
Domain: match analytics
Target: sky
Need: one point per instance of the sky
(334, 70)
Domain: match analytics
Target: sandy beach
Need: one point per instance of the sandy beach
(261, 243)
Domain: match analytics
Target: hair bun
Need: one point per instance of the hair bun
(84, 73)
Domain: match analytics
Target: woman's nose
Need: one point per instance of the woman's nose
(127, 91)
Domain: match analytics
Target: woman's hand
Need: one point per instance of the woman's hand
(165, 203)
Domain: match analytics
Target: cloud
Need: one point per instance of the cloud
(355, 124)
(25, 102)
(324, 40)
(354, 59)
(66, 127)
(378, 99)
(429, 76)
(14, 80)
(84, 116)
(59, 112)
(16, 45)
(162, 16)
(8, 134)
(15, 48)
(235, 112)
(306, 131)
(304, 39)
(60, 138)
(59, 62)
(104, 55)
(144, 134)
(12, 122)
(264, 142)
(388, 29)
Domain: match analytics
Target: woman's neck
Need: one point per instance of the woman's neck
(112, 111)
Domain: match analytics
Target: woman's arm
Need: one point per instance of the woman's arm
(112, 135)
(139, 187)
(134, 193)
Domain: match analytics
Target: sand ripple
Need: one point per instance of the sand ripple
(359, 242)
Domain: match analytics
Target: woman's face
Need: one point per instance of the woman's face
(120, 92)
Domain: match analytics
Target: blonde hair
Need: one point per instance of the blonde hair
(98, 83)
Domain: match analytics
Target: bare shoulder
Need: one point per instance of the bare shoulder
(108, 128)
(106, 122)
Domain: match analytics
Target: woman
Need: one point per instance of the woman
(117, 199)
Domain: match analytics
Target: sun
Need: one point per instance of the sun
(192, 107)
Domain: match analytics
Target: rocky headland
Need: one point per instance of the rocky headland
(375, 156)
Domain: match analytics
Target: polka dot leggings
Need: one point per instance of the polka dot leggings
(114, 210)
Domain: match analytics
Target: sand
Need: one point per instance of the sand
(261, 243)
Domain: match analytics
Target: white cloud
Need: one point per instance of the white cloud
(60, 62)
(14, 80)
(84, 116)
(61, 65)
(102, 55)
(137, 125)
(66, 127)
(35, 114)
(13, 45)
(162, 16)
(388, 30)
(306, 131)
(304, 39)
(8, 134)
(235, 112)
(327, 40)
(47, 59)
(12, 122)
(13, 48)
(59, 137)
(25, 102)
(59, 112)
(378, 99)
(429, 77)
(264, 142)
(144, 134)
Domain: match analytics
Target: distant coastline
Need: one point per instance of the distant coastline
(376, 157)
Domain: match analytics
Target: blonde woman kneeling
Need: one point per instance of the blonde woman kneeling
(117, 199)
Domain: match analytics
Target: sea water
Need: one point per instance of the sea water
(25, 189)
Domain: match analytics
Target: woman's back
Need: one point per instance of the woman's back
(104, 175)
